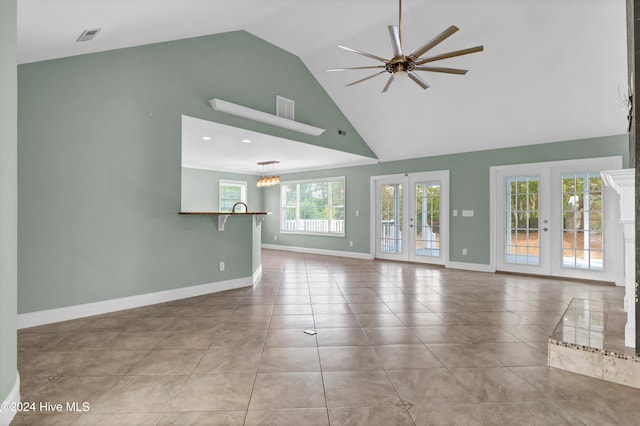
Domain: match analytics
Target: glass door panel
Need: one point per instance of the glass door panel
(390, 235)
(427, 219)
(582, 218)
(522, 213)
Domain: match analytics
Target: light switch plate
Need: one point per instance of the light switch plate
(467, 213)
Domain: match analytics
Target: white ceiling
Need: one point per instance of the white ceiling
(551, 69)
(226, 151)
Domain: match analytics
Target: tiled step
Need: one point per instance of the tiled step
(589, 340)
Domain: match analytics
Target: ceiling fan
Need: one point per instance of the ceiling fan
(401, 64)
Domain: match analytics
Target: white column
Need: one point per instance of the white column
(623, 182)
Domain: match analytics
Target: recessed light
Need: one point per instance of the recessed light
(206, 138)
(246, 140)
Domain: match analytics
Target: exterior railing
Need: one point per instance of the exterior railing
(314, 225)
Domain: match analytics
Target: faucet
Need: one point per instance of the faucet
(233, 209)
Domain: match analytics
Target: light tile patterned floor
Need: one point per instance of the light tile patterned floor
(397, 344)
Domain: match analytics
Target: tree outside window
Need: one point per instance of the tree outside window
(314, 207)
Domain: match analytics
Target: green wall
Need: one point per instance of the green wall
(8, 196)
(469, 189)
(200, 193)
(200, 190)
(99, 164)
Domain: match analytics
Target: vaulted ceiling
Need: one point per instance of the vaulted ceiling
(552, 69)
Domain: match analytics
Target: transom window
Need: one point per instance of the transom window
(313, 206)
(231, 191)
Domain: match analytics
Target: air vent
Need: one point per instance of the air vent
(285, 108)
(88, 34)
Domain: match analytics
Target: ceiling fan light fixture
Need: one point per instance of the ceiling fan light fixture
(402, 65)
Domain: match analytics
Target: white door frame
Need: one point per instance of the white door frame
(613, 162)
(408, 180)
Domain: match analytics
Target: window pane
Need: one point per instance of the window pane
(595, 201)
(231, 192)
(313, 207)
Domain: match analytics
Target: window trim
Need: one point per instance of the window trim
(342, 179)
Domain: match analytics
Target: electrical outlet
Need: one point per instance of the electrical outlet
(357, 212)
(350, 243)
(464, 252)
(221, 266)
(275, 237)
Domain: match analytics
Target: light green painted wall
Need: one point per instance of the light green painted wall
(469, 189)
(99, 164)
(200, 193)
(200, 190)
(256, 252)
(8, 196)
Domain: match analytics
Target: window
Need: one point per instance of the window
(231, 192)
(313, 207)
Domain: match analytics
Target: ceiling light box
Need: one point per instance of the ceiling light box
(254, 114)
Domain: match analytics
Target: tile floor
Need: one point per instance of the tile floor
(397, 344)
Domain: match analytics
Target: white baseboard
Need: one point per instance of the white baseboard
(12, 400)
(32, 319)
(350, 254)
(257, 274)
(478, 267)
(367, 256)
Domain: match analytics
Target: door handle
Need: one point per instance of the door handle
(545, 229)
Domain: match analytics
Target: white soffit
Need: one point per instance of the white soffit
(226, 151)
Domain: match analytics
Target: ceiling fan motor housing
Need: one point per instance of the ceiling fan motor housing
(402, 64)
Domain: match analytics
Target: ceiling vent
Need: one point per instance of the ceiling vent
(285, 108)
(88, 34)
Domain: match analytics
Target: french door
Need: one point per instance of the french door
(557, 219)
(411, 217)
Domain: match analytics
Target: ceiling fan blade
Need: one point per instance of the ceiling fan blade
(368, 55)
(419, 81)
(450, 55)
(364, 79)
(442, 69)
(433, 43)
(386, 86)
(396, 44)
(355, 68)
